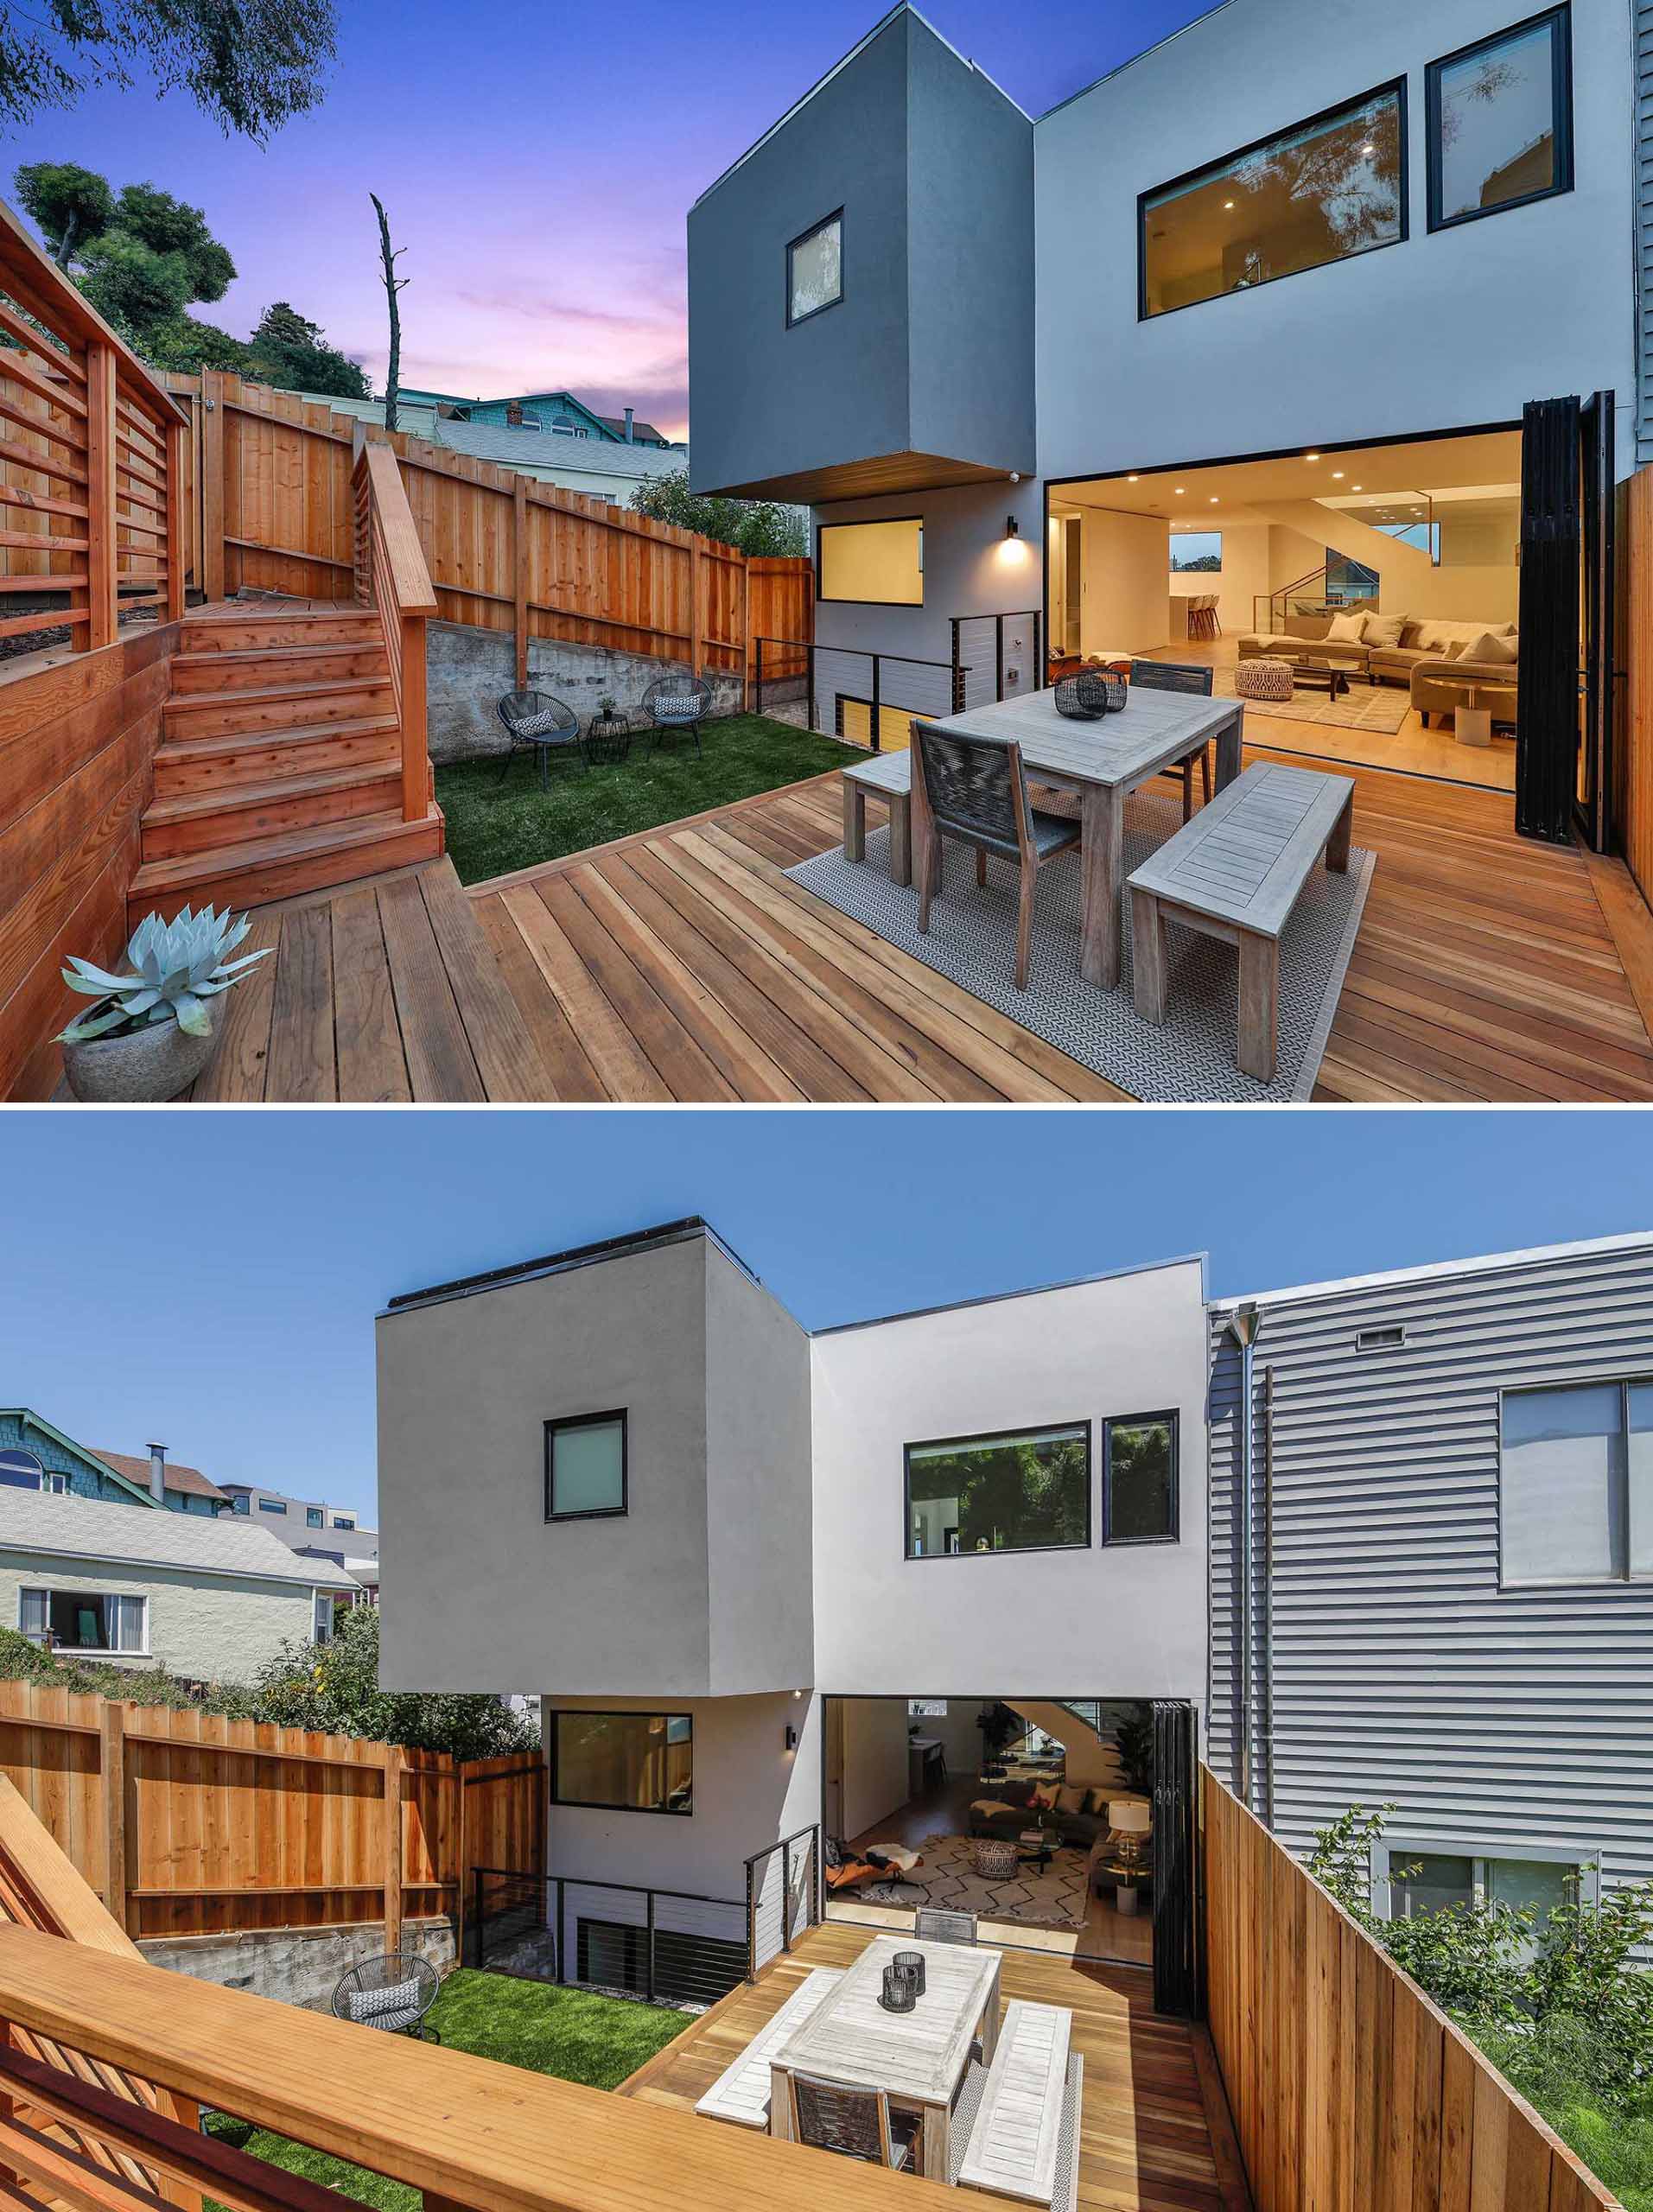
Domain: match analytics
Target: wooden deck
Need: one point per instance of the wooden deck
(1154, 2134)
(682, 965)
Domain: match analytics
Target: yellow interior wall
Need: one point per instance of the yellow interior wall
(894, 723)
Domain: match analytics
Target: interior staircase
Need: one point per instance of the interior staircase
(279, 768)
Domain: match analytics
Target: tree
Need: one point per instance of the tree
(131, 285)
(289, 350)
(171, 226)
(249, 64)
(761, 527)
(393, 284)
(334, 1686)
(69, 204)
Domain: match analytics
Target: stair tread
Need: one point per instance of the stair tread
(272, 694)
(263, 852)
(237, 740)
(237, 656)
(187, 805)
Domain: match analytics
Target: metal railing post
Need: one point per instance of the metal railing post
(998, 656)
(651, 1943)
(1038, 658)
(786, 1897)
(557, 1941)
(877, 746)
(759, 681)
(476, 1917)
(809, 649)
(752, 1930)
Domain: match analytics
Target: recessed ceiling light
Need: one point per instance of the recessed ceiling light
(1337, 476)
(1228, 203)
(1213, 502)
(1179, 489)
(1310, 456)
(1133, 479)
(1357, 487)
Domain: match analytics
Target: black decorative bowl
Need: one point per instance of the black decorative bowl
(1082, 697)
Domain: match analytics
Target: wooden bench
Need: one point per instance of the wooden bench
(741, 2093)
(1024, 2140)
(889, 775)
(1236, 872)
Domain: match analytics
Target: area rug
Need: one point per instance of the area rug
(1190, 1058)
(1051, 1896)
(1378, 708)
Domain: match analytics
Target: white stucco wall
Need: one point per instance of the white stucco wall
(875, 1763)
(1445, 331)
(1126, 1622)
(205, 1627)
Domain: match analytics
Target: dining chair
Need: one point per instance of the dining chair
(935, 1923)
(1199, 682)
(828, 2116)
(976, 790)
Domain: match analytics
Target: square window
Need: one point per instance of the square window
(1423, 1882)
(313, 1517)
(585, 1467)
(1500, 122)
(815, 270)
(1030, 1492)
(1140, 1480)
(242, 1504)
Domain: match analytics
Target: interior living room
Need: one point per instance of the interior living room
(1034, 1815)
(1361, 600)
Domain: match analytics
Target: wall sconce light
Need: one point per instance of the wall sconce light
(1012, 527)
(792, 1739)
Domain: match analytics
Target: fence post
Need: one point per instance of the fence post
(416, 748)
(114, 1779)
(459, 1868)
(212, 483)
(877, 748)
(176, 433)
(696, 634)
(651, 1941)
(101, 594)
(519, 550)
(392, 1847)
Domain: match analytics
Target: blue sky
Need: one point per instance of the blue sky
(537, 163)
(211, 1279)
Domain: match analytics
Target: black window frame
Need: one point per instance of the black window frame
(1083, 1425)
(1109, 1422)
(560, 1713)
(1397, 85)
(315, 1517)
(553, 1428)
(867, 522)
(794, 321)
(273, 1505)
(1561, 21)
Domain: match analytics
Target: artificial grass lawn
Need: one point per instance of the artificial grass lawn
(571, 2033)
(500, 820)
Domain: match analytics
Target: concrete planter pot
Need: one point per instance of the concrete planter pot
(142, 1068)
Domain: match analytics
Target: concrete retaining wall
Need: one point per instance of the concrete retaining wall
(470, 670)
(298, 1965)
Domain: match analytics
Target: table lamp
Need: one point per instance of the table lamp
(1130, 1819)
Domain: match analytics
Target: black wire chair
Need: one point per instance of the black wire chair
(1195, 681)
(535, 723)
(674, 705)
(393, 1993)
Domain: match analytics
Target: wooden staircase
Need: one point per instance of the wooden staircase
(279, 768)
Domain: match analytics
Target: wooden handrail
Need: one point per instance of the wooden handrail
(391, 576)
(490, 2137)
(68, 311)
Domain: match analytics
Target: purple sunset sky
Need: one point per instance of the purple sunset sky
(537, 163)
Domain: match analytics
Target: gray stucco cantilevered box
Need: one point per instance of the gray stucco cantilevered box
(701, 1586)
(922, 372)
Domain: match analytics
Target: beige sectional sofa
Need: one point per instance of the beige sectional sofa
(1431, 657)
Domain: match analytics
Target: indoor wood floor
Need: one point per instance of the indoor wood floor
(1155, 2134)
(684, 965)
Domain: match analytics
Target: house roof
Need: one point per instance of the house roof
(179, 1476)
(92, 1528)
(1437, 1270)
(27, 1415)
(617, 424)
(531, 450)
(578, 1256)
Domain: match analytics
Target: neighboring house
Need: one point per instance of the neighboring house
(206, 1599)
(1450, 1549)
(312, 1528)
(36, 1456)
(731, 1554)
(551, 414)
(1271, 282)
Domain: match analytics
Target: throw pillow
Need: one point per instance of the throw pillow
(536, 725)
(1070, 1800)
(402, 1998)
(1489, 647)
(1044, 1797)
(1346, 630)
(1383, 630)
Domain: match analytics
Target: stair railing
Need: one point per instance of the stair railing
(392, 576)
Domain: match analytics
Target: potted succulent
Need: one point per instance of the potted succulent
(151, 1033)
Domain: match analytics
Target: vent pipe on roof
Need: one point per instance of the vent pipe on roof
(158, 1473)
(630, 434)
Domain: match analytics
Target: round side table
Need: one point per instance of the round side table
(609, 739)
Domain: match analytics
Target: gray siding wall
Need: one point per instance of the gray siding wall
(1645, 231)
(1492, 1719)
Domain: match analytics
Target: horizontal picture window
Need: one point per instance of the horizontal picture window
(624, 1762)
(872, 564)
(1021, 1491)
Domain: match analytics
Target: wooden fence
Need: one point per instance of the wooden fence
(273, 510)
(1349, 2090)
(186, 1823)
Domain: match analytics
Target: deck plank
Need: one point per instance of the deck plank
(683, 962)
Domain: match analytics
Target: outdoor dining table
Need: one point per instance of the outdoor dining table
(1103, 761)
(917, 2058)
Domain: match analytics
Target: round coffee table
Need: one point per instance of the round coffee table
(1472, 715)
(1034, 1848)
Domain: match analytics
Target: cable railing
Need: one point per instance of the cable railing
(850, 691)
(782, 1896)
(669, 1946)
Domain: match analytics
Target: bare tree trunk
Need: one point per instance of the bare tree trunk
(393, 284)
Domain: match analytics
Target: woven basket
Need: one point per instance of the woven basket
(1082, 697)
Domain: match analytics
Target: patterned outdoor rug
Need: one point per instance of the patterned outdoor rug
(1051, 1896)
(972, 941)
(1379, 707)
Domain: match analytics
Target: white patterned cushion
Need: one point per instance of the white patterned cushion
(396, 2006)
(536, 725)
(676, 707)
